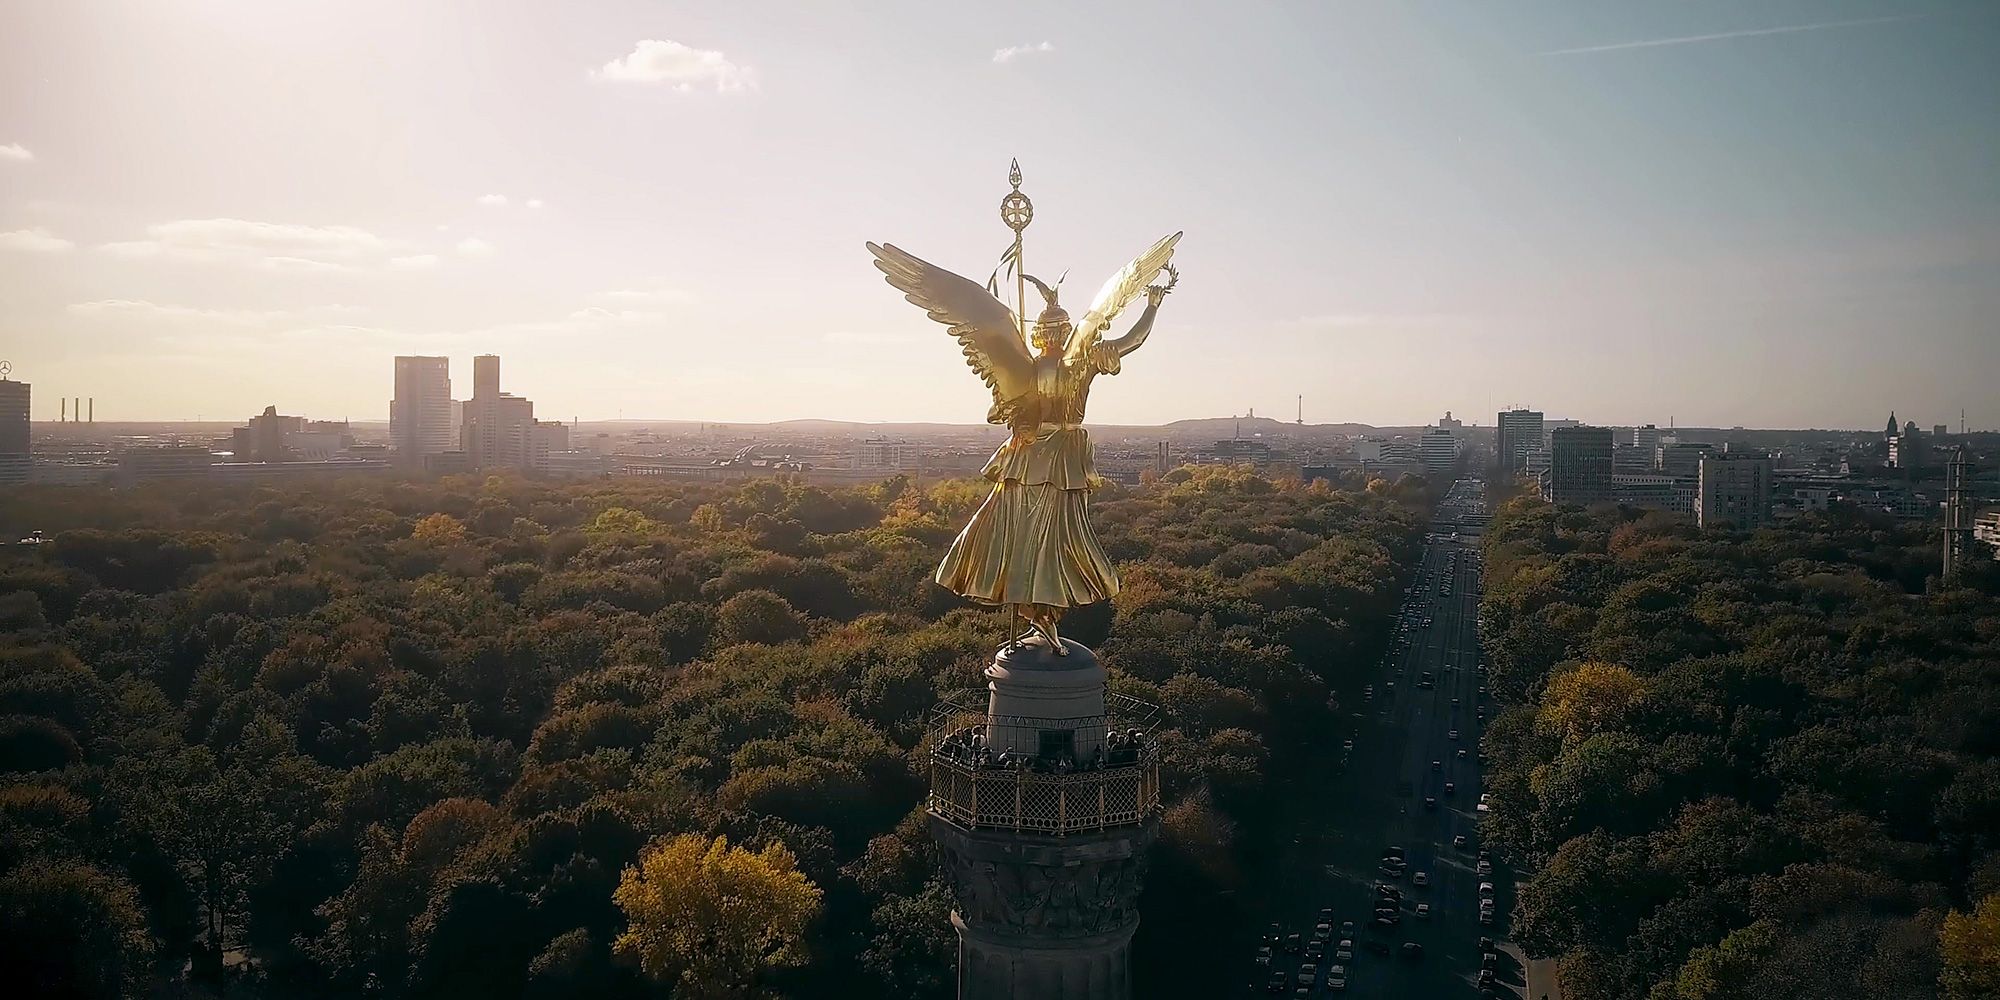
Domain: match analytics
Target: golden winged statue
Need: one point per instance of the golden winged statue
(1030, 546)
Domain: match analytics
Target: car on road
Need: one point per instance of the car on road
(1344, 950)
(1315, 951)
(1454, 703)
(1461, 751)
(1387, 921)
(1322, 930)
(1277, 983)
(1336, 977)
(1421, 879)
(1450, 788)
(1423, 911)
(1451, 735)
(1437, 765)
(1413, 951)
(1272, 934)
(1347, 929)
(1387, 891)
(1264, 956)
(1348, 745)
(1430, 802)
(1293, 943)
(1307, 973)
(1368, 692)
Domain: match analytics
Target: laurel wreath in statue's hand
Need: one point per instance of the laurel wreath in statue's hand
(1154, 293)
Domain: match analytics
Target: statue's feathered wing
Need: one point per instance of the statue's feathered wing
(984, 326)
(1121, 289)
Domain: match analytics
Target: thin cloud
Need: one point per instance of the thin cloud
(147, 310)
(493, 200)
(278, 246)
(473, 246)
(534, 203)
(15, 152)
(681, 67)
(36, 240)
(1721, 35)
(1011, 52)
(414, 262)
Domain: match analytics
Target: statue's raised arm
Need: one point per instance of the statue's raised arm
(1112, 298)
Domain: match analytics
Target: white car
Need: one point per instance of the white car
(1423, 911)
(1424, 878)
(1485, 890)
(1484, 868)
(1336, 978)
(1345, 950)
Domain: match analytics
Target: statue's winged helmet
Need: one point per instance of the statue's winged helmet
(1054, 320)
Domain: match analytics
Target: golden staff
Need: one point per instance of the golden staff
(1017, 211)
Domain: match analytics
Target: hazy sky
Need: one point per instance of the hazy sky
(1765, 212)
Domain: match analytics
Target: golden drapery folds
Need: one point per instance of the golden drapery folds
(1031, 541)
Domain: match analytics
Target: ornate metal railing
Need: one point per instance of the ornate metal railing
(1118, 786)
(1024, 800)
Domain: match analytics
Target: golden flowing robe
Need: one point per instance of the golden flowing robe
(1031, 541)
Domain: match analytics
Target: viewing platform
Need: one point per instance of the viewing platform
(1045, 776)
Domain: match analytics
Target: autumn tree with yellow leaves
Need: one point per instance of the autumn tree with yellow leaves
(708, 917)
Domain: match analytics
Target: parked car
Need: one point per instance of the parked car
(1307, 973)
(1413, 951)
(1458, 842)
(1347, 929)
(1293, 943)
(1423, 911)
(1278, 983)
(1336, 978)
(1344, 950)
(1483, 868)
(1264, 956)
(1316, 951)
(1421, 879)
(1486, 890)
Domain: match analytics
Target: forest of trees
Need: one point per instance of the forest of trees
(1745, 765)
(483, 738)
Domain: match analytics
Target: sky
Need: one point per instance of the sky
(1769, 213)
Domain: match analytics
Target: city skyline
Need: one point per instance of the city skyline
(1705, 202)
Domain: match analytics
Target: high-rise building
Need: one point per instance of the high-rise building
(1909, 449)
(1440, 454)
(498, 429)
(420, 415)
(1734, 489)
(1580, 465)
(1958, 518)
(1646, 438)
(1520, 432)
(15, 463)
(1045, 795)
(1451, 423)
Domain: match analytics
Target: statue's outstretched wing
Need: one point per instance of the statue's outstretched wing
(1122, 288)
(984, 326)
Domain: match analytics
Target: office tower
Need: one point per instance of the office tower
(1579, 465)
(1682, 459)
(1646, 438)
(1045, 795)
(1958, 533)
(1520, 432)
(498, 427)
(1909, 449)
(420, 414)
(1440, 454)
(15, 462)
(1451, 423)
(1733, 489)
